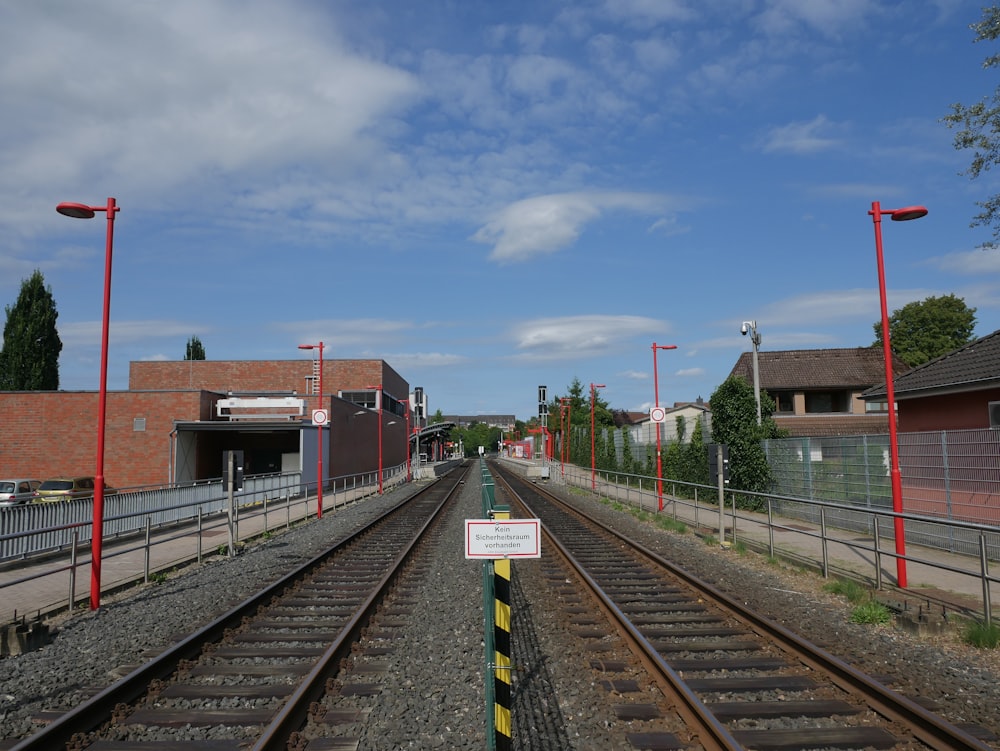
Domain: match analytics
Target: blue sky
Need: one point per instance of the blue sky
(490, 196)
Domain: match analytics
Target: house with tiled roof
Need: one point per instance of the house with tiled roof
(679, 423)
(957, 391)
(818, 392)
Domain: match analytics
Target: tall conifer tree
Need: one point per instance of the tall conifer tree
(29, 360)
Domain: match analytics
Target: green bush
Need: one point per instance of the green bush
(980, 634)
(871, 612)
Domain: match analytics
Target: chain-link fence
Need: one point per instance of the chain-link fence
(950, 474)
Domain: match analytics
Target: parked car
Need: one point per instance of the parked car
(68, 489)
(16, 492)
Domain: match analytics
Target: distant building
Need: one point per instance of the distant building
(679, 423)
(818, 392)
(504, 422)
(179, 417)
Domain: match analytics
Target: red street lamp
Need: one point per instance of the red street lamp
(319, 435)
(656, 403)
(593, 464)
(897, 215)
(380, 392)
(82, 211)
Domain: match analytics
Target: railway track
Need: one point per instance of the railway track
(278, 671)
(723, 676)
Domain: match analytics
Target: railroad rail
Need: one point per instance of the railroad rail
(734, 678)
(264, 675)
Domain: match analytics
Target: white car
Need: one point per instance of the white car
(17, 492)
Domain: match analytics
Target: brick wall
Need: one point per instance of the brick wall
(54, 433)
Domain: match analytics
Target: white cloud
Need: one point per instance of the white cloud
(974, 262)
(581, 336)
(154, 102)
(546, 224)
(802, 137)
(690, 372)
(88, 333)
(828, 17)
(415, 360)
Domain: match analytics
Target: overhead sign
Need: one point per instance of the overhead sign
(657, 414)
(320, 417)
(503, 538)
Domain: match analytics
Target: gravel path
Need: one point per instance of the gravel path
(556, 705)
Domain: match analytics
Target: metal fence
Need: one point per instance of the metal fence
(947, 474)
(37, 528)
(791, 524)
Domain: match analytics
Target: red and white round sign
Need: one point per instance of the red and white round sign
(320, 417)
(657, 414)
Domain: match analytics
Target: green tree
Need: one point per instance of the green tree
(694, 461)
(195, 350)
(29, 360)
(921, 331)
(578, 421)
(734, 422)
(978, 125)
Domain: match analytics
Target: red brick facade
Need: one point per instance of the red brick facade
(54, 433)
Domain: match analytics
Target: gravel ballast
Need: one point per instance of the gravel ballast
(556, 705)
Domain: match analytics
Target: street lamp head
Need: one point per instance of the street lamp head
(75, 210)
(907, 213)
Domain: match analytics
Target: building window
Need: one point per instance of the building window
(879, 406)
(824, 402)
(366, 399)
(784, 401)
(139, 425)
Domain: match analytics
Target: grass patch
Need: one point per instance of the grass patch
(711, 540)
(848, 588)
(158, 578)
(982, 635)
(871, 612)
(740, 547)
(671, 525)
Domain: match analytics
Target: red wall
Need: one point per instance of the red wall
(54, 433)
(947, 412)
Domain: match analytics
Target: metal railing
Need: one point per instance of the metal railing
(52, 539)
(806, 528)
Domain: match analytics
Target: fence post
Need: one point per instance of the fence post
(984, 568)
(822, 532)
(146, 553)
(878, 556)
(72, 570)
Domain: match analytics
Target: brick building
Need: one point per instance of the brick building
(178, 417)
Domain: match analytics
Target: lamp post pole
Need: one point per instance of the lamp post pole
(656, 403)
(750, 327)
(897, 215)
(593, 463)
(378, 388)
(82, 211)
(319, 435)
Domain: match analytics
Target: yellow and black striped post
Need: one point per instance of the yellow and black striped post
(501, 650)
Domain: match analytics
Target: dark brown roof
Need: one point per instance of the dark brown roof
(800, 369)
(972, 367)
